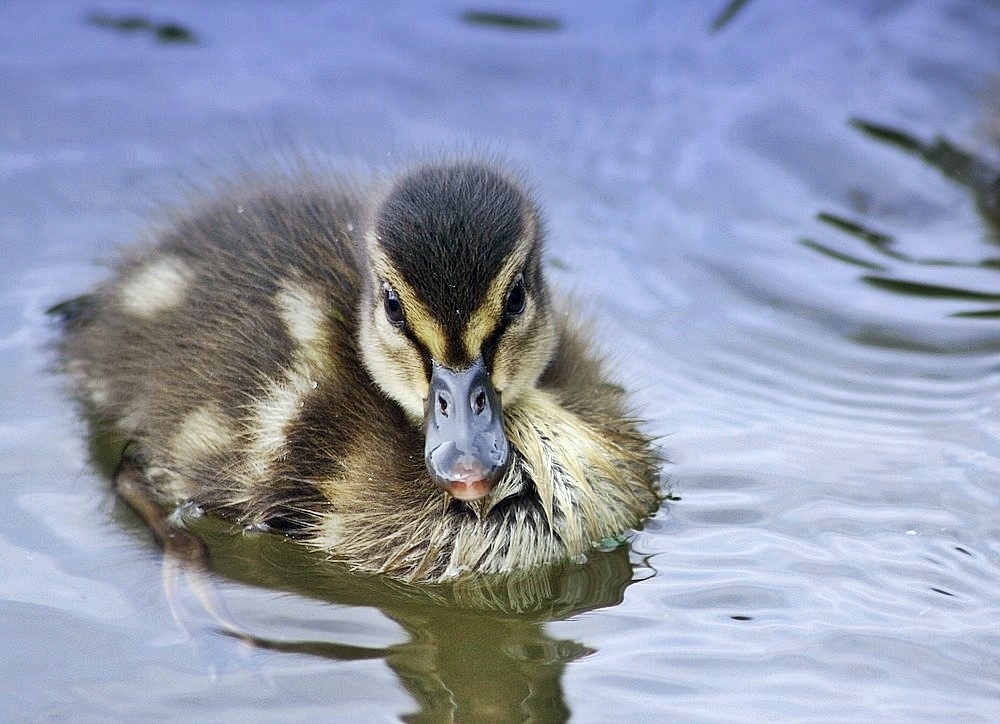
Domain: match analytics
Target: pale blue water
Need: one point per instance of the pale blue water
(835, 444)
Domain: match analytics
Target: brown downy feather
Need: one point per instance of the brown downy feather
(230, 353)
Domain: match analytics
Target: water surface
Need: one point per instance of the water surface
(804, 311)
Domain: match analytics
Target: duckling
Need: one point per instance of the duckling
(378, 373)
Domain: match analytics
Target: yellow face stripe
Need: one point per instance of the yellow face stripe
(421, 322)
(483, 321)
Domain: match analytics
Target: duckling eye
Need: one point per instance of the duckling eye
(516, 298)
(393, 307)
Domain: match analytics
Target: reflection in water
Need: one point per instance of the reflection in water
(510, 21)
(981, 178)
(726, 15)
(972, 172)
(168, 32)
(475, 650)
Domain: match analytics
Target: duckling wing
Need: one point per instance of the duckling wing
(214, 346)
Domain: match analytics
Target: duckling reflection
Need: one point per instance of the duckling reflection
(380, 374)
(475, 649)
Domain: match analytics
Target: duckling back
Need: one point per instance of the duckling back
(205, 345)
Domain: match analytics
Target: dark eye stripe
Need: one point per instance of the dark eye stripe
(517, 301)
(396, 315)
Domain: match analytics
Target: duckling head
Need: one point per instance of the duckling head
(455, 322)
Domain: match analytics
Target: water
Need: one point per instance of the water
(829, 406)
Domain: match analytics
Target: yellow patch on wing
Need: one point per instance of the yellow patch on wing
(305, 316)
(96, 389)
(271, 415)
(485, 319)
(158, 286)
(203, 432)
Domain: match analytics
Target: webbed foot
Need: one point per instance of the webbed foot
(187, 584)
(186, 560)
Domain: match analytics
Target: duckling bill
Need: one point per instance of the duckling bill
(380, 373)
(466, 448)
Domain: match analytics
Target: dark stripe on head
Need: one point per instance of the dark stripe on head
(448, 230)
